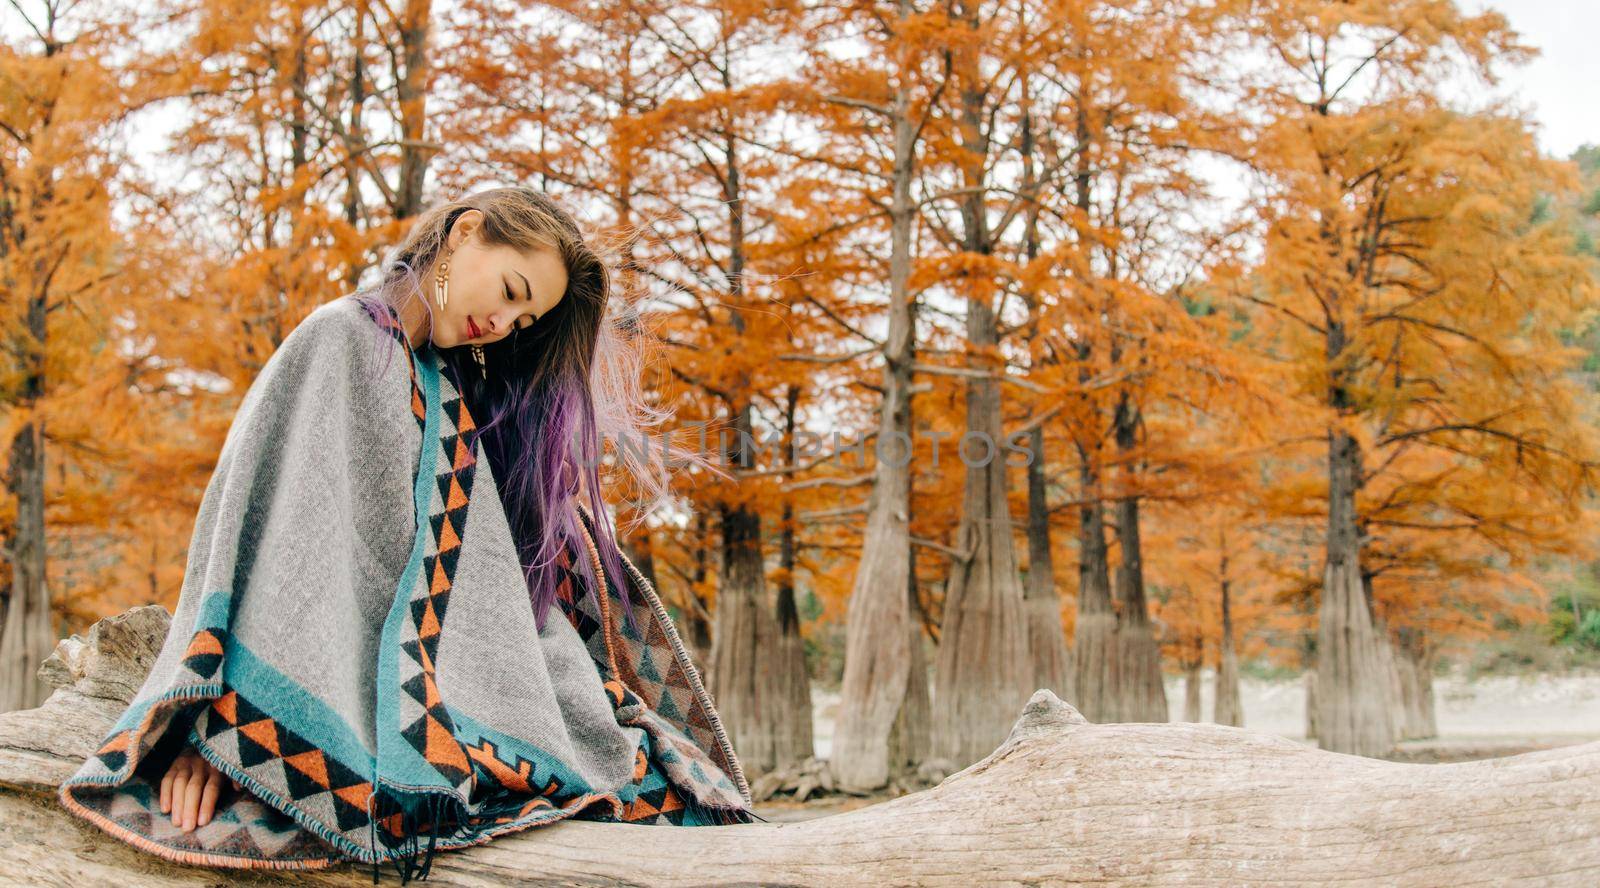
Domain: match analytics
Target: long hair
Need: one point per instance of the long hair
(553, 392)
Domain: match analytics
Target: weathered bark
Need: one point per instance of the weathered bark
(1226, 706)
(1353, 696)
(96, 675)
(1230, 807)
(1047, 643)
(1094, 668)
(1191, 691)
(877, 662)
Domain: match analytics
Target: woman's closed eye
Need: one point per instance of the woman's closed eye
(523, 322)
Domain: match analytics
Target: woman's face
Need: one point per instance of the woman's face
(492, 289)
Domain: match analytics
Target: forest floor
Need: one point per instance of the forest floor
(1482, 717)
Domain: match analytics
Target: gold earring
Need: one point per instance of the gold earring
(441, 283)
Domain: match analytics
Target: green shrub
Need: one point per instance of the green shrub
(1561, 626)
(1588, 635)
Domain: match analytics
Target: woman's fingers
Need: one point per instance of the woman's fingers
(190, 790)
(172, 785)
(208, 796)
(166, 790)
(180, 779)
(191, 799)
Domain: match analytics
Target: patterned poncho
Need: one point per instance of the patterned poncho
(354, 643)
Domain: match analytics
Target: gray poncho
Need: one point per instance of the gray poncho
(355, 645)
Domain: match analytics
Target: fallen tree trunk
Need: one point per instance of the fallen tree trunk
(1060, 801)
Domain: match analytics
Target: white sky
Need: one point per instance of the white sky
(1557, 87)
(1560, 83)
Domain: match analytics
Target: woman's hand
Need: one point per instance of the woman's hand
(190, 789)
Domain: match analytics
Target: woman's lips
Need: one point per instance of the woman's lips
(472, 328)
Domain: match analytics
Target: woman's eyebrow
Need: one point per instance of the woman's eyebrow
(527, 286)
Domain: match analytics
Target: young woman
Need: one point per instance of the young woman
(405, 625)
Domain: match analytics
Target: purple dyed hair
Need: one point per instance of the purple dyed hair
(566, 383)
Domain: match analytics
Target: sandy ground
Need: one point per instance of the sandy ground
(1509, 711)
(1554, 709)
(1491, 716)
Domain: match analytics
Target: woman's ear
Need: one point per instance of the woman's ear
(463, 227)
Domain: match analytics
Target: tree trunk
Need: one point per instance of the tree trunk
(1392, 670)
(1414, 663)
(1094, 668)
(1191, 690)
(1353, 697)
(1428, 721)
(909, 739)
(1226, 705)
(745, 648)
(28, 632)
(1229, 807)
(792, 736)
(699, 622)
(354, 208)
(412, 92)
(1047, 642)
(1427, 718)
(1404, 687)
(1141, 695)
(877, 663)
(1310, 679)
(983, 669)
